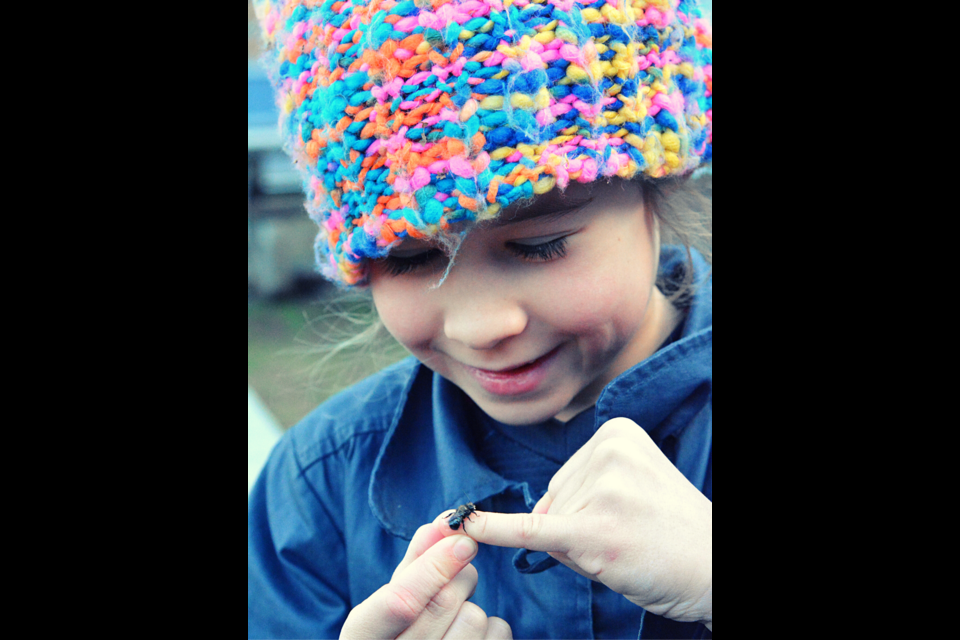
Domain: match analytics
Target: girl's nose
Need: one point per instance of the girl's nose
(484, 326)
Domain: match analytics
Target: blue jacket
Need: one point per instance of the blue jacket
(344, 491)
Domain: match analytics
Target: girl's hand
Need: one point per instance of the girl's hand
(427, 595)
(620, 513)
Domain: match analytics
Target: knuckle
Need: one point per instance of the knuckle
(607, 450)
(444, 602)
(473, 617)
(402, 605)
(529, 526)
(618, 427)
(499, 628)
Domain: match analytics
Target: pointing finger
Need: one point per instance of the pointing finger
(534, 531)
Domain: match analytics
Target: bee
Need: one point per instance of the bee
(462, 513)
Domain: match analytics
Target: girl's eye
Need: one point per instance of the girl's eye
(542, 252)
(399, 265)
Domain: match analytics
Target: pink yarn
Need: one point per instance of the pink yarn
(461, 167)
(420, 179)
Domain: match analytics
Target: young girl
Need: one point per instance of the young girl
(496, 173)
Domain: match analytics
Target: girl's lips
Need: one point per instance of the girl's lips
(516, 381)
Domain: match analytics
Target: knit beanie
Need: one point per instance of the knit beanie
(407, 116)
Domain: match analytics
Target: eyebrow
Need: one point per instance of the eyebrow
(543, 210)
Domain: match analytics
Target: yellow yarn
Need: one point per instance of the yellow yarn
(591, 15)
(576, 73)
(492, 103)
(635, 140)
(545, 37)
(542, 99)
(544, 185)
(671, 142)
(566, 35)
(521, 101)
(613, 15)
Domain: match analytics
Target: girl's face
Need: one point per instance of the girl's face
(543, 306)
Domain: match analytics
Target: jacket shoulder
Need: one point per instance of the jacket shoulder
(367, 407)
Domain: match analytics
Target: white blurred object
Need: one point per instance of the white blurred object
(263, 431)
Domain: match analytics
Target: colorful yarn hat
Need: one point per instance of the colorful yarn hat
(408, 116)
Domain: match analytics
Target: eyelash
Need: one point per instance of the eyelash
(544, 252)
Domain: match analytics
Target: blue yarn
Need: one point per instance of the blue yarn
(466, 186)
(425, 194)
(434, 37)
(649, 33)
(363, 244)
(490, 87)
(471, 126)
(404, 8)
(524, 120)
(412, 216)
(617, 34)
(505, 170)
(491, 119)
(474, 43)
(667, 121)
(497, 138)
(452, 129)
(360, 97)
(432, 211)
(474, 25)
(635, 154)
(690, 87)
(356, 80)
(586, 92)
(555, 74)
(530, 81)
(452, 34)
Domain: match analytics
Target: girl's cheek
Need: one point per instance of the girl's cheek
(406, 318)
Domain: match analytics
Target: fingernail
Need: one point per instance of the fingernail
(465, 548)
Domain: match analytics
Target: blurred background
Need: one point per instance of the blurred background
(293, 315)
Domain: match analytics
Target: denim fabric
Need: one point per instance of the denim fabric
(345, 490)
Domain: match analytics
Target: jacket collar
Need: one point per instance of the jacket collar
(427, 465)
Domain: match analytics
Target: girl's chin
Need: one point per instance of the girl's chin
(522, 412)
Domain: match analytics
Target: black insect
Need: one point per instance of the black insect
(462, 513)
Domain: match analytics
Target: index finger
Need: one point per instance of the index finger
(534, 531)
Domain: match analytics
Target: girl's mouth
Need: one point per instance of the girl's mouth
(518, 380)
